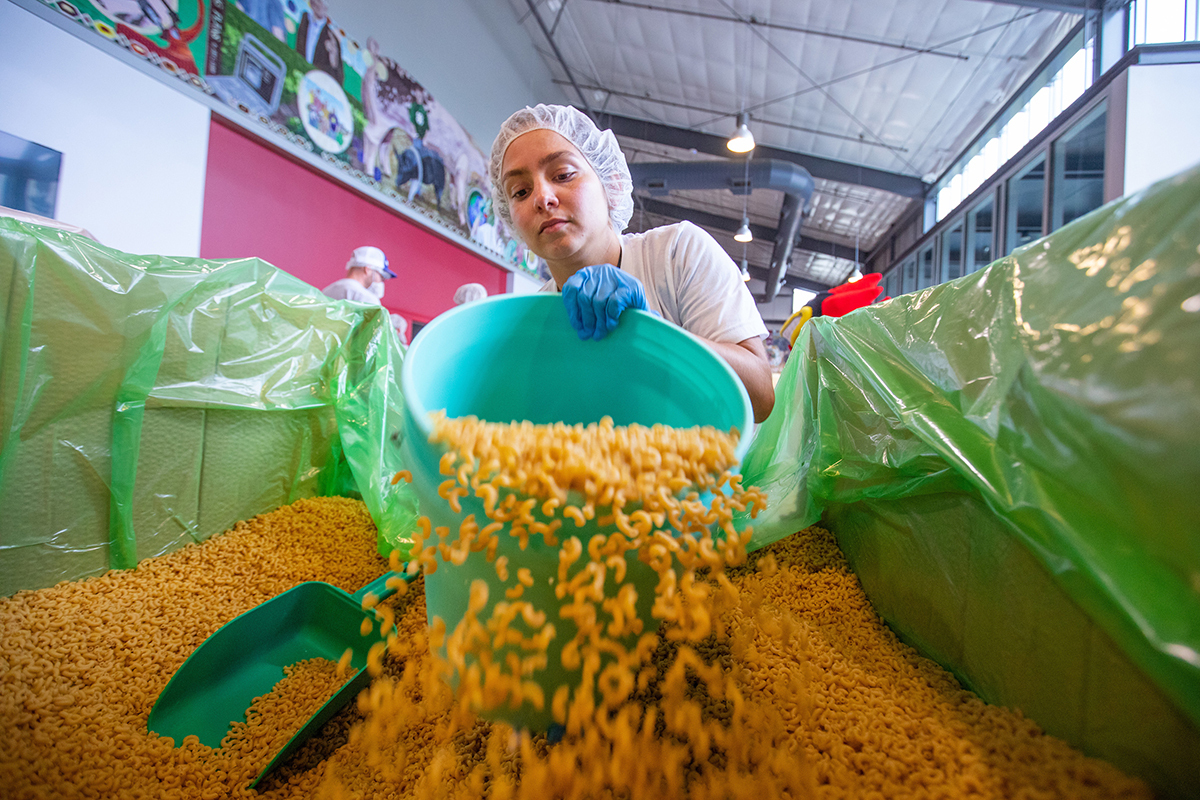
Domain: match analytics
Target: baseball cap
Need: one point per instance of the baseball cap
(371, 258)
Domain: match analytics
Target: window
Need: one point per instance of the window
(952, 252)
(28, 176)
(1063, 80)
(908, 271)
(925, 276)
(1078, 185)
(800, 298)
(1153, 21)
(1026, 192)
(979, 250)
(891, 284)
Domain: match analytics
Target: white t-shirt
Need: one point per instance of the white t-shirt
(691, 281)
(350, 289)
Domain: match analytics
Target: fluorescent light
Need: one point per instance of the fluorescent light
(742, 140)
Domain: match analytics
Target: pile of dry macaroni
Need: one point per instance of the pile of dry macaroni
(797, 688)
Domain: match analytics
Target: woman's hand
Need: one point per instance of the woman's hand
(595, 297)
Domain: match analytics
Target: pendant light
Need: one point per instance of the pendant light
(742, 140)
(743, 233)
(856, 275)
(745, 269)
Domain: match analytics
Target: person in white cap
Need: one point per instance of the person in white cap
(564, 187)
(468, 293)
(366, 271)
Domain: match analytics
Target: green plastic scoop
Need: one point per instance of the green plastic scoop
(245, 658)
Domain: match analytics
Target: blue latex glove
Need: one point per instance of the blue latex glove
(595, 297)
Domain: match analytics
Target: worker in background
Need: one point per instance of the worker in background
(401, 326)
(564, 187)
(469, 293)
(366, 271)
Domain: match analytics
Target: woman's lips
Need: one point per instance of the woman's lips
(552, 225)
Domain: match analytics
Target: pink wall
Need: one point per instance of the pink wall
(258, 202)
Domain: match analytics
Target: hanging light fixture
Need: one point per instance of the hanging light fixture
(742, 140)
(856, 275)
(745, 269)
(743, 233)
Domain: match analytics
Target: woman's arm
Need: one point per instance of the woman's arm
(749, 360)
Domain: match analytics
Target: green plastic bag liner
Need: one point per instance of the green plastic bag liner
(1011, 463)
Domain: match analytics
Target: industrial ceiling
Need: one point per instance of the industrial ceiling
(874, 97)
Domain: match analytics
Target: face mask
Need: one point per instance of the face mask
(376, 289)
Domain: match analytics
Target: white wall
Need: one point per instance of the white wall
(521, 284)
(134, 147)
(134, 150)
(1162, 122)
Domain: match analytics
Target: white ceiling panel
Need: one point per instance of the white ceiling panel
(893, 85)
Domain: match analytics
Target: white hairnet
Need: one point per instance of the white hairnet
(469, 292)
(599, 147)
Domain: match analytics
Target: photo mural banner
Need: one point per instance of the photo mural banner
(286, 64)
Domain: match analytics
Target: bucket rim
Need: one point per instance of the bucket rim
(420, 415)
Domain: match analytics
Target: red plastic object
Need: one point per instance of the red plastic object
(870, 279)
(836, 305)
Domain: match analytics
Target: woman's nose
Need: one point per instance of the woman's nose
(544, 195)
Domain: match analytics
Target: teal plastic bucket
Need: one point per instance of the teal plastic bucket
(514, 358)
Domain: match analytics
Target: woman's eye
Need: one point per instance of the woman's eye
(567, 175)
(517, 194)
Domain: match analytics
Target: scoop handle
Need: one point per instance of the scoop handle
(378, 587)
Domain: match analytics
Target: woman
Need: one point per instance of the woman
(564, 187)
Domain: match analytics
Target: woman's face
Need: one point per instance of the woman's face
(557, 201)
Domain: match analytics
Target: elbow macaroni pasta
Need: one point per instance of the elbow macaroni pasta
(799, 689)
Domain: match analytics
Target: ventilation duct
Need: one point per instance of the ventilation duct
(793, 180)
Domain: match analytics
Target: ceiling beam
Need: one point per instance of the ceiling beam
(828, 248)
(824, 168)
(763, 232)
(759, 119)
(807, 241)
(558, 54)
(753, 21)
(705, 219)
(1064, 6)
(790, 281)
